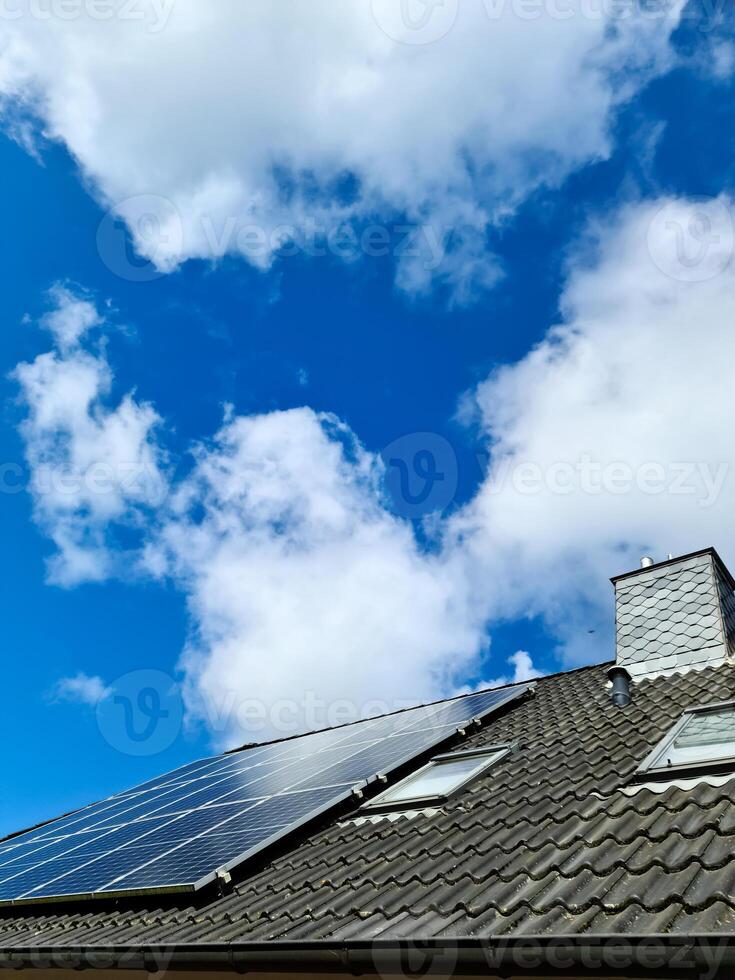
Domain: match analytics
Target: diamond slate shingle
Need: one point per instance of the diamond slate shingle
(675, 615)
(546, 842)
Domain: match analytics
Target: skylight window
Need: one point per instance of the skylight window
(437, 780)
(703, 737)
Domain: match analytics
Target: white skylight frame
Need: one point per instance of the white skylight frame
(666, 759)
(401, 796)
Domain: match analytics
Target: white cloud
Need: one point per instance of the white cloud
(308, 597)
(199, 120)
(70, 317)
(612, 438)
(92, 464)
(523, 670)
(81, 689)
(722, 64)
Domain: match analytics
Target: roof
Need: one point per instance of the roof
(548, 842)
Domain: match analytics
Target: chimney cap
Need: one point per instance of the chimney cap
(675, 561)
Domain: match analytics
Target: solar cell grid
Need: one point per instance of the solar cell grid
(117, 811)
(200, 857)
(29, 857)
(176, 831)
(50, 858)
(89, 876)
(183, 774)
(183, 826)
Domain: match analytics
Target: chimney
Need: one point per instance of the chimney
(675, 615)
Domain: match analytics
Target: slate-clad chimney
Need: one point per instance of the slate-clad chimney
(675, 615)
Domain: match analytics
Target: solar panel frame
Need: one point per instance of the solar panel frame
(408, 734)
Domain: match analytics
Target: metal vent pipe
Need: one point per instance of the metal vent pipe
(620, 678)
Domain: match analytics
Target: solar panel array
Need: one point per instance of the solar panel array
(178, 831)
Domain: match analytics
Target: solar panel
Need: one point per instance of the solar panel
(180, 831)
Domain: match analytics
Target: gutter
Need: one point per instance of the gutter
(705, 956)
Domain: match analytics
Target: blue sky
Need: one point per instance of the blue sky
(211, 340)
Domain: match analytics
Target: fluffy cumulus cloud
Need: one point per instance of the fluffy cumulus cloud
(613, 437)
(81, 689)
(442, 115)
(312, 603)
(95, 466)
